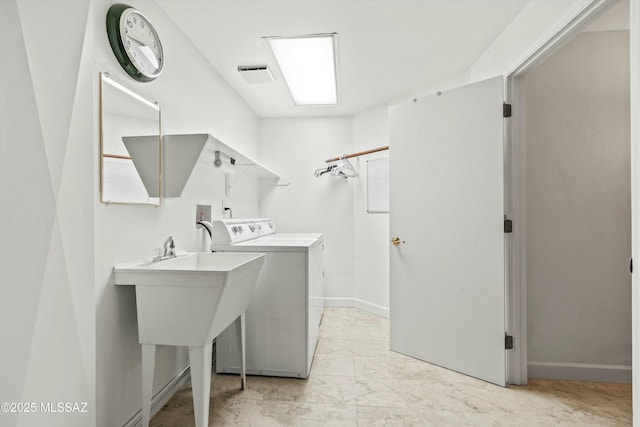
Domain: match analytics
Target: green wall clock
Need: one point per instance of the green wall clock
(134, 42)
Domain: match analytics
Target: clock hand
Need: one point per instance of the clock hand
(148, 53)
(135, 40)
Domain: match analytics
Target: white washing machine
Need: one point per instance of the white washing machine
(283, 317)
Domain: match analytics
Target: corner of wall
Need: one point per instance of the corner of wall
(371, 230)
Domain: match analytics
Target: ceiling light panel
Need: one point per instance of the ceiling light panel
(308, 65)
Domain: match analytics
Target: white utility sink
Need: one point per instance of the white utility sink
(188, 301)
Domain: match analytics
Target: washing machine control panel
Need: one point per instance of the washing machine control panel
(230, 231)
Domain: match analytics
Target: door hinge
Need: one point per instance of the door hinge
(508, 225)
(508, 342)
(631, 265)
(506, 110)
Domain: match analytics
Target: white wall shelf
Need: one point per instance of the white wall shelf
(181, 153)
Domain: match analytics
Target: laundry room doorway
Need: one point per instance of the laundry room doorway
(570, 179)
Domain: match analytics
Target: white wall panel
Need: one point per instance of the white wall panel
(46, 285)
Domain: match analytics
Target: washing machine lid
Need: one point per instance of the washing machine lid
(293, 240)
(268, 245)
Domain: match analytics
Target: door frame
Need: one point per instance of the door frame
(515, 178)
(634, 97)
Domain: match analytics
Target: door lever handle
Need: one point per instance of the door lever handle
(396, 241)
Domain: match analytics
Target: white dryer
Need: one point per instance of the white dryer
(283, 317)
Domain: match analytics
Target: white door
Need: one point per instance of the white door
(447, 283)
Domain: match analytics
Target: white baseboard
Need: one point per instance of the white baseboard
(338, 302)
(358, 303)
(371, 307)
(162, 396)
(580, 372)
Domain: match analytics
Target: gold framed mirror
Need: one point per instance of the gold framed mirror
(130, 146)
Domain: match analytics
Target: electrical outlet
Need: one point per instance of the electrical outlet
(203, 213)
(226, 210)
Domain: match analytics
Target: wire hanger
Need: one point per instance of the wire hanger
(322, 171)
(340, 166)
(345, 169)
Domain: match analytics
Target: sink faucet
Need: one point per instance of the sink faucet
(168, 250)
(169, 247)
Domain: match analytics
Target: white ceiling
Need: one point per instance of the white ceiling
(386, 48)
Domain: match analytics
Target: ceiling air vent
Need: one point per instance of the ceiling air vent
(256, 73)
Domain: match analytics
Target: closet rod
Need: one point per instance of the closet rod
(117, 156)
(359, 153)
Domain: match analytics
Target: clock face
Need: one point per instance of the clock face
(141, 43)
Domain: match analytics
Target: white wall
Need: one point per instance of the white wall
(371, 230)
(578, 207)
(295, 148)
(194, 98)
(46, 229)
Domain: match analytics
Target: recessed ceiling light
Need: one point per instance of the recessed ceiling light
(308, 65)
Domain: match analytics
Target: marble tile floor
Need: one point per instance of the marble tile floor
(356, 381)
